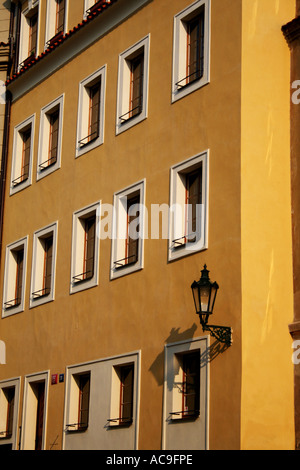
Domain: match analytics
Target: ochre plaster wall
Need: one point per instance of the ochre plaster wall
(267, 302)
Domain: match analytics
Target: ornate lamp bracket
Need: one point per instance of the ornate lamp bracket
(221, 333)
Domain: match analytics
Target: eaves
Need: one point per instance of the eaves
(72, 44)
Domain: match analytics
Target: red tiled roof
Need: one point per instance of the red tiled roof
(96, 12)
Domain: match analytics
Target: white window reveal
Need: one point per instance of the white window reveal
(56, 20)
(129, 230)
(90, 121)
(14, 277)
(29, 33)
(21, 172)
(133, 82)
(85, 248)
(191, 49)
(50, 138)
(189, 206)
(43, 265)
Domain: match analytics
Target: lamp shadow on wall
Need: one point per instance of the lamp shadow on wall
(213, 351)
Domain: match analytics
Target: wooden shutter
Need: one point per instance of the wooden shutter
(53, 144)
(193, 197)
(19, 276)
(126, 394)
(40, 393)
(10, 397)
(89, 248)
(26, 137)
(191, 384)
(195, 48)
(84, 398)
(136, 85)
(94, 114)
(48, 249)
(132, 243)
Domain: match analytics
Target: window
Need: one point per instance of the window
(189, 385)
(7, 409)
(123, 381)
(35, 412)
(9, 393)
(128, 230)
(29, 33)
(60, 16)
(90, 122)
(191, 49)
(189, 206)
(186, 395)
(85, 248)
(56, 20)
(93, 5)
(136, 85)
(133, 85)
(22, 155)
(49, 155)
(33, 23)
(43, 265)
(80, 392)
(14, 277)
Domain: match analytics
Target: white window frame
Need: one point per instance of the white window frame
(124, 85)
(78, 248)
(24, 29)
(83, 111)
(178, 207)
(10, 277)
(38, 265)
(43, 148)
(15, 382)
(17, 155)
(194, 432)
(30, 409)
(51, 19)
(73, 397)
(119, 229)
(180, 48)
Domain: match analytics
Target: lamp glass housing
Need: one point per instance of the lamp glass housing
(204, 293)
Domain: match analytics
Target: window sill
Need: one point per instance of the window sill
(177, 416)
(115, 423)
(76, 431)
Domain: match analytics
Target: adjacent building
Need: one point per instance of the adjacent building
(147, 141)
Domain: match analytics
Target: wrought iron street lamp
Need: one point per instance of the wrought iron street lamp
(204, 294)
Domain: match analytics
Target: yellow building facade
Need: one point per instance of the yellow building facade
(89, 311)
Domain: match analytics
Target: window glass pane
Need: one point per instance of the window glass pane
(89, 249)
(132, 242)
(126, 393)
(84, 397)
(191, 384)
(136, 90)
(195, 48)
(94, 114)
